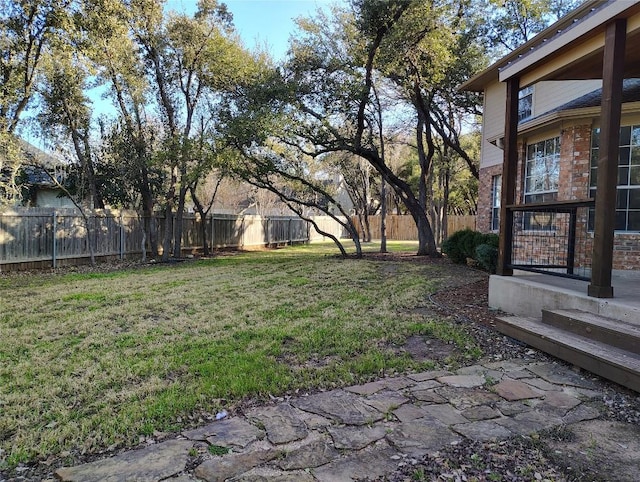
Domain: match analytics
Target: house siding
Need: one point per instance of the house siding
(492, 123)
(52, 198)
(546, 96)
(551, 94)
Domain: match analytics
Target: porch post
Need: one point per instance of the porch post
(605, 213)
(509, 173)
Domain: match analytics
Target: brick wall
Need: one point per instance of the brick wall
(575, 154)
(484, 196)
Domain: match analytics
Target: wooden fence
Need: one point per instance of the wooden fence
(403, 227)
(46, 237)
(458, 223)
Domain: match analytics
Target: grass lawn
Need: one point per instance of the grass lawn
(94, 361)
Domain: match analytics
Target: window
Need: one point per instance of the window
(628, 196)
(541, 181)
(525, 103)
(496, 193)
(542, 171)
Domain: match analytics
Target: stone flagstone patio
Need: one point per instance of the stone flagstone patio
(361, 431)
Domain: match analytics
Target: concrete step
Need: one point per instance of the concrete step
(620, 334)
(610, 362)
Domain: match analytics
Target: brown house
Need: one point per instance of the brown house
(560, 182)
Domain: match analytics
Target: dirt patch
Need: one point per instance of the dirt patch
(598, 450)
(423, 348)
(470, 300)
(514, 461)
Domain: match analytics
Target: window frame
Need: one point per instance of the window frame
(496, 198)
(525, 103)
(550, 178)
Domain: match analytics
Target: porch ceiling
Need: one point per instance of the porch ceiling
(589, 66)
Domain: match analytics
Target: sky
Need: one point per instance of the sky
(261, 22)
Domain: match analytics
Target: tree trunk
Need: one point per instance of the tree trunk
(383, 216)
(367, 227)
(143, 242)
(148, 209)
(426, 240)
(177, 241)
(361, 223)
(445, 204)
(203, 227)
(168, 228)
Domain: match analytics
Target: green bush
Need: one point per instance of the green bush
(487, 257)
(469, 243)
(453, 246)
(465, 243)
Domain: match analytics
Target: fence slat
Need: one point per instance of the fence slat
(402, 227)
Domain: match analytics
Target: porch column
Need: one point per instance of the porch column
(509, 173)
(605, 213)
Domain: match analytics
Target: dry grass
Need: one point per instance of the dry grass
(92, 361)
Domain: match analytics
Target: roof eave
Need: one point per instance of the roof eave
(540, 52)
(478, 82)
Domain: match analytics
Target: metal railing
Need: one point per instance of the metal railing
(552, 238)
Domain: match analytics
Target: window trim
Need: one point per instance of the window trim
(523, 94)
(555, 156)
(496, 199)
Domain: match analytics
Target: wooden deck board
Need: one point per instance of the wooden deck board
(618, 333)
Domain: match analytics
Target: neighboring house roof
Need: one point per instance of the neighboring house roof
(34, 162)
(40, 164)
(41, 176)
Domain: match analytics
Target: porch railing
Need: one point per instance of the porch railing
(552, 238)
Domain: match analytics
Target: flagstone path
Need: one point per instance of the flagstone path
(360, 431)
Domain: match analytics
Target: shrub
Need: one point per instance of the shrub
(491, 239)
(487, 256)
(469, 243)
(453, 246)
(464, 244)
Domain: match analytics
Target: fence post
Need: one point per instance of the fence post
(268, 232)
(290, 233)
(242, 232)
(121, 236)
(54, 247)
(213, 232)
